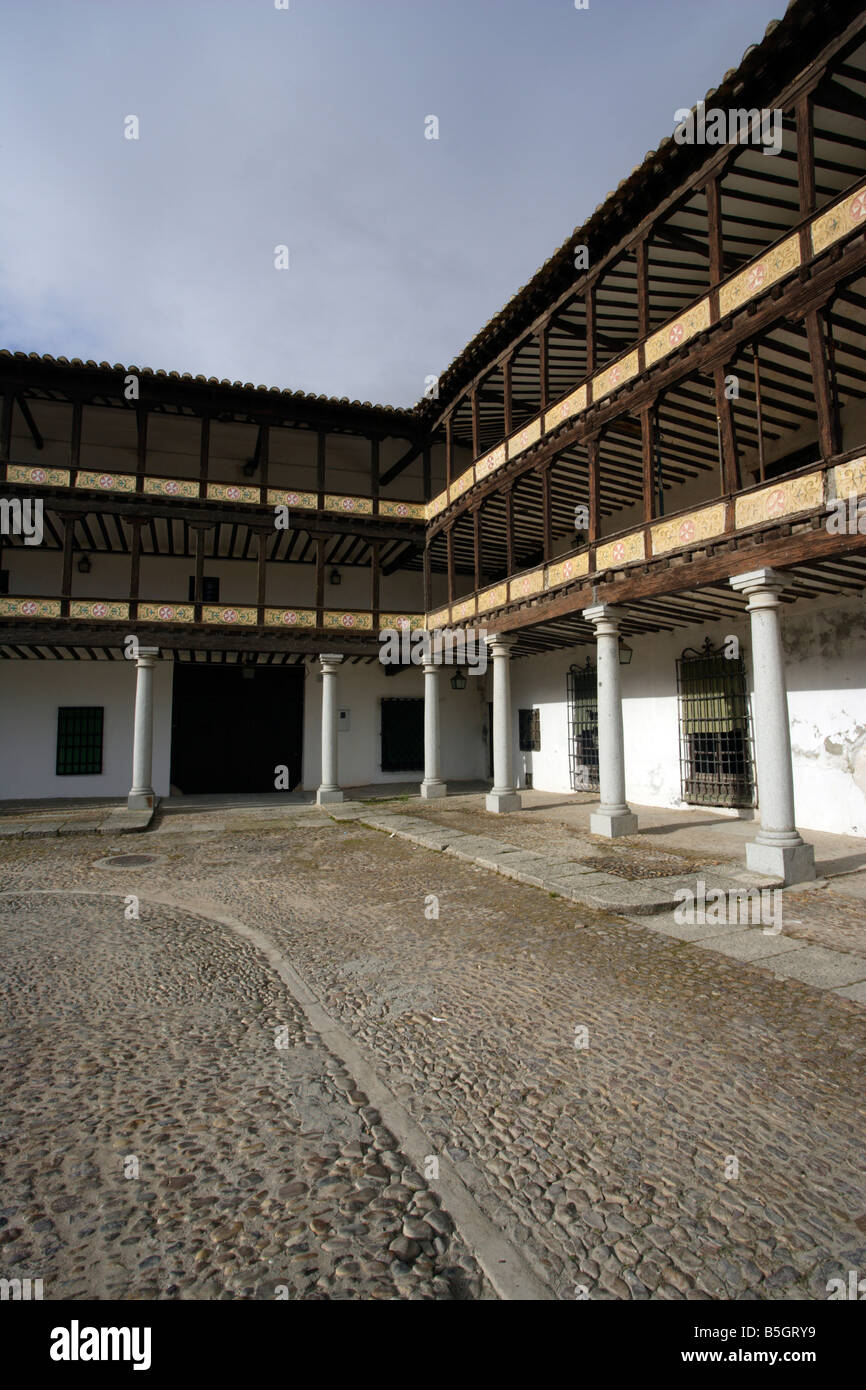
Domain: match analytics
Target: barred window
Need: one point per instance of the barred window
(529, 725)
(79, 740)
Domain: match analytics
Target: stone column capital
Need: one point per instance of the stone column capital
(431, 668)
(605, 618)
(329, 660)
(761, 587)
(146, 656)
(500, 644)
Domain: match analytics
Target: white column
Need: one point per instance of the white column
(777, 848)
(504, 795)
(432, 785)
(330, 787)
(613, 816)
(141, 795)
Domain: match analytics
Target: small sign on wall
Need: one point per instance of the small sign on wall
(344, 720)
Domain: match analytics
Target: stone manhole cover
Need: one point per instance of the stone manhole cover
(126, 861)
(657, 866)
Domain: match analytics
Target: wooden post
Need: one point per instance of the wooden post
(320, 469)
(198, 580)
(428, 581)
(476, 538)
(647, 434)
(759, 413)
(544, 365)
(203, 455)
(589, 298)
(594, 489)
(449, 545)
(509, 529)
(508, 410)
(264, 461)
(449, 450)
(805, 155)
(374, 474)
(141, 460)
(374, 583)
(6, 430)
(546, 511)
(320, 581)
(730, 466)
(262, 574)
(135, 566)
(427, 481)
(715, 231)
(827, 433)
(642, 271)
(476, 423)
(68, 556)
(75, 441)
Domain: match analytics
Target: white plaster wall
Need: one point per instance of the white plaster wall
(825, 647)
(30, 695)
(361, 690)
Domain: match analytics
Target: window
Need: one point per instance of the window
(715, 739)
(529, 725)
(583, 727)
(79, 740)
(210, 589)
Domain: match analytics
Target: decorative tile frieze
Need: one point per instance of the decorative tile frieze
(620, 552)
(780, 499)
(461, 485)
(281, 497)
(614, 376)
(462, 610)
(166, 612)
(493, 598)
(839, 221)
(33, 473)
(105, 482)
(355, 621)
(228, 614)
(489, 462)
(673, 335)
(290, 617)
(171, 487)
(98, 608)
(233, 492)
(440, 618)
(526, 585)
(29, 607)
(686, 530)
(409, 622)
(758, 276)
(524, 439)
(850, 478)
(437, 505)
(403, 511)
(563, 410)
(353, 506)
(564, 571)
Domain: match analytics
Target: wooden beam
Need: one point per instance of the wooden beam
(508, 402)
(647, 429)
(546, 519)
(594, 488)
(320, 580)
(263, 537)
(715, 231)
(509, 530)
(544, 365)
(643, 308)
(449, 545)
(759, 410)
(374, 583)
(374, 473)
(320, 468)
(805, 156)
(476, 422)
(827, 429)
(134, 566)
(476, 546)
(449, 449)
(730, 467)
(30, 423)
(428, 581)
(141, 452)
(589, 298)
(68, 556)
(6, 429)
(203, 455)
(426, 473)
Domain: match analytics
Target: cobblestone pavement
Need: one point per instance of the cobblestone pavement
(611, 1165)
(157, 1143)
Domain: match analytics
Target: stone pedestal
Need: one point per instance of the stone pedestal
(613, 816)
(504, 796)
(329, 791)
(778, 848)
(432, 786)
(141, 794)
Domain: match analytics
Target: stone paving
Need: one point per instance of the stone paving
(640, 1119)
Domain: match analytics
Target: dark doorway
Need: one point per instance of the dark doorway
(402, 735)
(233, 726)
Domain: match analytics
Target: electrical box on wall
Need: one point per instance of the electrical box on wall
(344, 720)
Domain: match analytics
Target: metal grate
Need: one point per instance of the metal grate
(79, 740)
(716, 758)
(583, 727)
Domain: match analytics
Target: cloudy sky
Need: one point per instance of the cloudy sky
(305, 127)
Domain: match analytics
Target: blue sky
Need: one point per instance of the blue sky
(306, 128)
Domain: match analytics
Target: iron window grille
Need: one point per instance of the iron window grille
(529, 730)
(79, 740)
(716, 754)
(583, 727)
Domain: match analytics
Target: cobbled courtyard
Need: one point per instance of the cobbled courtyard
(633, 1119)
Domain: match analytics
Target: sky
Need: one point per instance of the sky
(307, 128)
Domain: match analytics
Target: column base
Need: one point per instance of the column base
(502, 801)
(141, 799)
(326, 795)
(433, 789)
(790, 863)
(611, 824)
